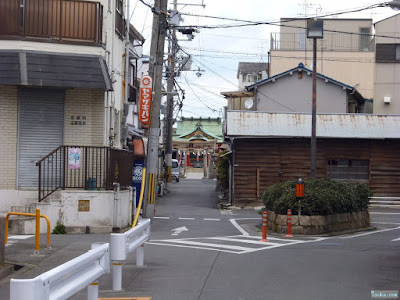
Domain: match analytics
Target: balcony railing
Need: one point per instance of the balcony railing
(330, 42)
(84, 167)
(59, 20)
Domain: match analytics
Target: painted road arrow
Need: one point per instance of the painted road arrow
(179, 230)
(395, 240)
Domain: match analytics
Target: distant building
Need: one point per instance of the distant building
(250, 72)
(291, 91)
(340, 54)
(196, 139)
(387, 66)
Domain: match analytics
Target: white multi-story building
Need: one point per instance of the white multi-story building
(62, 71)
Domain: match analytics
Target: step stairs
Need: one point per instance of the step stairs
(384, 202)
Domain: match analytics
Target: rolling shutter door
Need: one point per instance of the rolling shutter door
(40, 130)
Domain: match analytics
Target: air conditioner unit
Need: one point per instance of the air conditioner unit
(386, 100)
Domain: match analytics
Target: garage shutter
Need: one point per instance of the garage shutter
(40, 130)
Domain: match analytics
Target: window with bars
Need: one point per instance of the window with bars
(348, 169)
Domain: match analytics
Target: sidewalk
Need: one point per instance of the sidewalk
(63, 249)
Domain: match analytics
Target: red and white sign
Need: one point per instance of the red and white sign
(145, 99)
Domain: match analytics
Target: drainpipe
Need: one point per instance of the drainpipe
(107, 106)
(116, 204)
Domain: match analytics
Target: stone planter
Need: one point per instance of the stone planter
(310, 225)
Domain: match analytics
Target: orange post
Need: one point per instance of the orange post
(289, 223)
(37, 231)
(264, 228)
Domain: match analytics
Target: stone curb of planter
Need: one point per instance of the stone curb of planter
(313, 225)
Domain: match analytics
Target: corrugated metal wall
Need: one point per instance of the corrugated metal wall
(40, 130)
(281, 160)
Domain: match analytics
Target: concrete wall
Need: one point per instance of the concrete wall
(387, 75)
(291, 94)
(387, 84)
(104, 214)
(8, 137)
(90, 104)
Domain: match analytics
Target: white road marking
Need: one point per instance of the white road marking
(382, 213)
(225, 212)
(387, 223)
(219, 246)
(229, 248)
(179, 230)
(368, 233)
(395, 240)
(166, 218)
(192, 247)
(211, 219)
(20, 237)
(238, 227)
(186, 218)
(242, 241)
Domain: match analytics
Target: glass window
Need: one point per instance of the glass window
(364, 38)
(398, 52)
(348, 169)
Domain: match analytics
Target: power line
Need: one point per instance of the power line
(212, 109)
(275, 23)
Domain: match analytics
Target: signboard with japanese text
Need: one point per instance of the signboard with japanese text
(145, 99)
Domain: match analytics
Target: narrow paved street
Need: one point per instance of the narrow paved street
(197, 251)
(216, 259)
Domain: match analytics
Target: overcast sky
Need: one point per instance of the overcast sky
(219, 51)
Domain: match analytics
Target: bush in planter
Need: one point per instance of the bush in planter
(321, 197)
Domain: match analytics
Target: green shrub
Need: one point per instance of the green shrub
(223, 170)
(59, 229)
(321, 197)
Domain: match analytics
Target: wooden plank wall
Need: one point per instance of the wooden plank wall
(280, 160)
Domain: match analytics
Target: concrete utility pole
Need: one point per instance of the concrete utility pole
(155, 71)
(170, 96)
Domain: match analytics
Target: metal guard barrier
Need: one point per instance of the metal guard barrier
(65, 280)
(123, 244)
(37, 231)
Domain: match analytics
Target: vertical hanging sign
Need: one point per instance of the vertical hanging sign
(145, 100)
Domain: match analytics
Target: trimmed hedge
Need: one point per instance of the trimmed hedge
(321, 197)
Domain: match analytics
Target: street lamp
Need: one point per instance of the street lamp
(315, 30)
(394, 5)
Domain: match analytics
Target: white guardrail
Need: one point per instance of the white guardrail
(67, 279)
(123, 244)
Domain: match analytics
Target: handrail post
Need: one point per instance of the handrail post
(117, 276)
(39, 181)
(6, 229)
(93, 291)
(64, 165)
(140, 256)
(37, 232)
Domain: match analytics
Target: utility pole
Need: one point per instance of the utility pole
(155, 72)
(170, 96)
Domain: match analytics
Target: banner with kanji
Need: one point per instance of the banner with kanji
(145, 99)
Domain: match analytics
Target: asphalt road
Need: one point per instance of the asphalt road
(199, 252)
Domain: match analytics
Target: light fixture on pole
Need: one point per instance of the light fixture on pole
(315, 30)
(394, 5)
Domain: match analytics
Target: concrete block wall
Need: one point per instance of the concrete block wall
(88, 104)
(310, 225)
(8, 136)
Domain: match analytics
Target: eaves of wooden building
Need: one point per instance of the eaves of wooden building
(269, 148)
